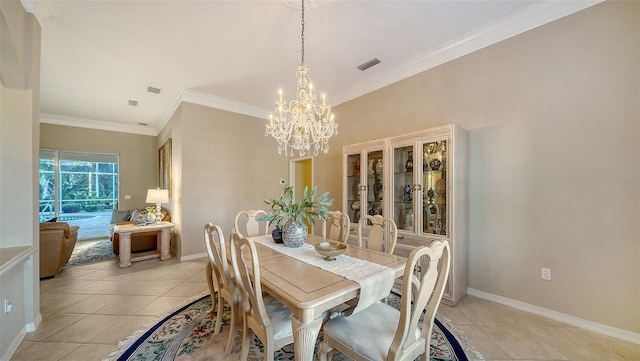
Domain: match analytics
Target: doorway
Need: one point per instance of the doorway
(301, 176)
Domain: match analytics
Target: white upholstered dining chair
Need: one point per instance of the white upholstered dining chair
(383, 234)
(219, 277)
(247, 224)
(381, 332)
(263, 315)
(336, 226)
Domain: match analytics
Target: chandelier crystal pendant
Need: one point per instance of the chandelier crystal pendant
(302, 124)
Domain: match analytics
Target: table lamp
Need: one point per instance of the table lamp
(158, 196)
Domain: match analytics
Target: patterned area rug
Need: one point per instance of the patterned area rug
(86, 252)
(187, 334)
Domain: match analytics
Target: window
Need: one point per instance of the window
(74, 184)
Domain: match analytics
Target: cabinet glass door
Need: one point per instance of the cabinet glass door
(353, 186)
(434, 181)
(403, 186)
(375, 180)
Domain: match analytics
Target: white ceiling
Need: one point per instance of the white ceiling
(234, 55)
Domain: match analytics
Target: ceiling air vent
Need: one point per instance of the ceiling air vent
(151, 89)
(133, 103)
(144, 124)
(369, 64)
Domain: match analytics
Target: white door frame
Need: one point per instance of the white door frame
(292, 169)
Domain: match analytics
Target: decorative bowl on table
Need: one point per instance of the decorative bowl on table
(330, 249)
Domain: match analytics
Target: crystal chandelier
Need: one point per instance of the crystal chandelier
(302, 123)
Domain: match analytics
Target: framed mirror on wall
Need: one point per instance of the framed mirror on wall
(164, 166)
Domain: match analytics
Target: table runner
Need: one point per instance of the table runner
(375, 280)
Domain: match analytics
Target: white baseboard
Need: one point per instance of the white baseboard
(32, 326)
(558, 316)
(14, 344)
(193, 256)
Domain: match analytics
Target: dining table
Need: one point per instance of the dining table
(310, 292)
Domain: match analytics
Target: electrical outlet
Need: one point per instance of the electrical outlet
(127, 197)
(545, 273)
(8, 306)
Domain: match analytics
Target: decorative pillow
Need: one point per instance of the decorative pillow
(119, 216)
(133, 214)
(141, 218)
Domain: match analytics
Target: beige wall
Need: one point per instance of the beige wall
(138, 156)
(16, 178)
(226, 165)
(19, 109)
(553, 119)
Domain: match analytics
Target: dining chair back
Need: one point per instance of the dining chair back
(247, 224)
(381, 332)
(383, 234)
(264, 316)
(219, 275)
(337, 226)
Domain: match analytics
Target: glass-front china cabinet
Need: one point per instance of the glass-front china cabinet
(420, 181)
(420, 188)
(364, 167)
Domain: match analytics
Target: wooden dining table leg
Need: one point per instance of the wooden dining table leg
(305, 335)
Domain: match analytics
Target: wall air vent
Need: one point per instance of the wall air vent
(151, 89)
(133, 103)
(369, 64)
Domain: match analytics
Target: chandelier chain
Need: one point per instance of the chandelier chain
(302, 34)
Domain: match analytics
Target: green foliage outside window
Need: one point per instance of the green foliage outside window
(84, 187)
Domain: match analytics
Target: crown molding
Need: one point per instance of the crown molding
(180, 95)
(29, 5)
(212, 101)
(524, 20)
(96, 124)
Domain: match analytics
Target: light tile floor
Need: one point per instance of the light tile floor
(87, 309)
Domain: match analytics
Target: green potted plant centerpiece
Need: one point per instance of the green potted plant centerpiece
(288, 213)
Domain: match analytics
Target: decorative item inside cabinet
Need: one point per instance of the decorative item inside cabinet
(403, 183)
(375, 181)
(434, 180)
(353, 187)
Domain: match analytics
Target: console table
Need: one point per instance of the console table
(164, 230)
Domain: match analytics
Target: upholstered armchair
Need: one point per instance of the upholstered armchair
(57, 240)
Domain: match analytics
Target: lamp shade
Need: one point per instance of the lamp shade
(158, 196)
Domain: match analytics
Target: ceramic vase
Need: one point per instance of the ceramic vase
(435, 163)
(277, 234)
(377, 167)
(407, 193)
(409, 164)
(377, 189)
(294, 233)
(356, 166)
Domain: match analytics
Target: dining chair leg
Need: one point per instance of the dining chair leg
(325, 352)
(268, 350)
(219, 315)
(208, 271)
(246, 339)
(233, 329)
